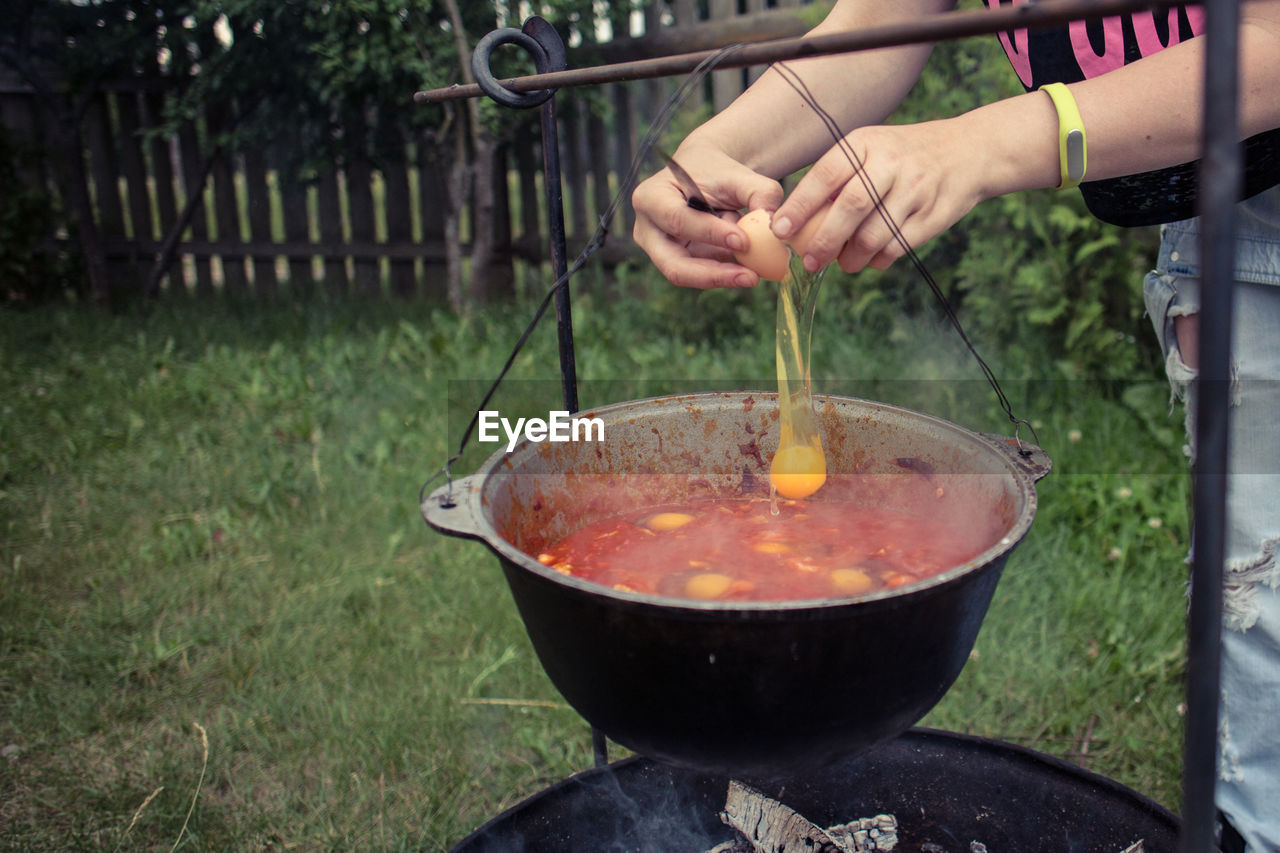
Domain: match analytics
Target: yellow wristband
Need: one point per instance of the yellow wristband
(1071, 147)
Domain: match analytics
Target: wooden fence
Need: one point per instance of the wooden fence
(371, 230)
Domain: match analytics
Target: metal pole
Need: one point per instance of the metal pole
(947, 26)
(541, 40)
(1219, 186)
(559, 256)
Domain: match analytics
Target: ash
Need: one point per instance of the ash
(765, 825)
(768, 826)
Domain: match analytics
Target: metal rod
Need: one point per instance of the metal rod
(559, 256)
(932, 28)
(1219, 187)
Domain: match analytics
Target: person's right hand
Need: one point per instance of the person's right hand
(692, 248)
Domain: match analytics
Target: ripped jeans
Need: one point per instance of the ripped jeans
(1248, 787)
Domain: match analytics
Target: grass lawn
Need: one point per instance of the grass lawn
(224, 626)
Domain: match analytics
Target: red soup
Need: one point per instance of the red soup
(740, 551)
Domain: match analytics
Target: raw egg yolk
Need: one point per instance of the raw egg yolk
(798, 470)
(664, 521)
(707, 585)
(850, 581)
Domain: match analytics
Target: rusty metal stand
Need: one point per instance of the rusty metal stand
(1219, 186)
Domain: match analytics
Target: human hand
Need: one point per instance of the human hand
(926, 176)
(692, 248)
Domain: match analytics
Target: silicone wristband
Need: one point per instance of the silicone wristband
(1071, 142)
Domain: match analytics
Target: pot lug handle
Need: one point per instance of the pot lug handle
(454, 508)
(1028, 458)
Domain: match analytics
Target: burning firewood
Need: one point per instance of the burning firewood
(768, 826)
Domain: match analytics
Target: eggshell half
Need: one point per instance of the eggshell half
(766, 255)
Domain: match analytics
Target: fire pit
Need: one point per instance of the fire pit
(949, 793)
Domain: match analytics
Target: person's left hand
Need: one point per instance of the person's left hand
(924, 174)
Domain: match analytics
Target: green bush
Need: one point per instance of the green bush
(33, 266)
(1031, 272)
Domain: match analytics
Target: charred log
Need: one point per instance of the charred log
(768, 826)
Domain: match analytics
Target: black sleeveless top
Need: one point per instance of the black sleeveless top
(1085, 49)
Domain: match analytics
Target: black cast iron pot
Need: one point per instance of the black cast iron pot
(747, 689)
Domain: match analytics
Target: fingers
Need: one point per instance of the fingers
(689, 247)
(899, 197)
(702, 259)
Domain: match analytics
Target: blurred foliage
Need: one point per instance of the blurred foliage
(1031, 270)
(267, 65)
(34, 267)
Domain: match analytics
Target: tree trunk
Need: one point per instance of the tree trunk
(480, 167)
(455, 190)
(482, 211)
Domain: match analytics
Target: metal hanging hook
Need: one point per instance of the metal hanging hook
(540, 40)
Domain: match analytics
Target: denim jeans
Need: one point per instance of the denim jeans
(1248, 787)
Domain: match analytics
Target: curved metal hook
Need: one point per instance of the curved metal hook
(540, 40)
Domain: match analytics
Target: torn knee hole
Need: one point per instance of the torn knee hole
(1186, 327)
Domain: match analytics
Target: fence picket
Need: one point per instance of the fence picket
(331, 234)
(226, 214)
(193, 182)
(359, 179)
(294, 217)
(395, 177)
(99, 137)
(527, 153)
(431, 212)
(502, 279)
(161, 155)
(624, 133)
(258, 202)
(133, 171)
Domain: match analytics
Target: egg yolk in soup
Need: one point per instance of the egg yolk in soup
(798, 470)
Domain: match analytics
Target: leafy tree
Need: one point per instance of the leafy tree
(64, 51)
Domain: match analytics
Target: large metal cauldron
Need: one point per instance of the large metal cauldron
(748, 689)
(946, 791)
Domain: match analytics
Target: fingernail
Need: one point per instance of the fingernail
(782, 227)
(810, 263)
(742, 280)
(735, 243)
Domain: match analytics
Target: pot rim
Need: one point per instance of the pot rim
(1016, 531)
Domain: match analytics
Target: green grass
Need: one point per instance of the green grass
(223, 624)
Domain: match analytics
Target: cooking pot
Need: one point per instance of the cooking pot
(750, 689)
